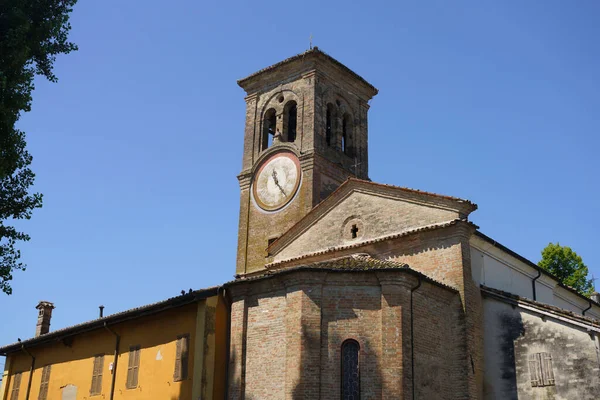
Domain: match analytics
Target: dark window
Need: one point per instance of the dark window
(133, 367)
(269, 123)
(329, 121)
(290, 122)
(96, 388)
(44, 384)
(14, 394)
(181, 358)
(350, 370)
(347, 143)
(540, 369)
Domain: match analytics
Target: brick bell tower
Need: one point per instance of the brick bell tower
(306, 133)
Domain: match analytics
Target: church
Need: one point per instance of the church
(345, 288)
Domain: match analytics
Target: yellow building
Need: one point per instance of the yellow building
(174, 349)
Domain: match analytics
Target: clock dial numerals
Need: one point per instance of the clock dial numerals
(276, 181)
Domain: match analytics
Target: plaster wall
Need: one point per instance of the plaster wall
(497, 269)
(512, 334)
(72, 360)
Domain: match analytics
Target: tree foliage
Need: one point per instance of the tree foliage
(32, 34)
(566, 265)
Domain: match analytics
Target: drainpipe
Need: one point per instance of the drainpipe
(30, 371)
(587, 309)
(227, 301)
(116, 359)
(412, 346)
(533, 284)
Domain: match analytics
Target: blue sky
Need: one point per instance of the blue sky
(138, 145)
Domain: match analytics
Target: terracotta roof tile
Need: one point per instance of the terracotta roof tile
(508, 295)
(99, 323)
(314, 51)
(352, 263)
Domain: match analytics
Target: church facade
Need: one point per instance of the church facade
(346, 288)
(352, 289)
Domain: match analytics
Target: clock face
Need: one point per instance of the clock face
(276, 181)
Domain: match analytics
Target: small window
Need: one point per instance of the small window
(347, 140)
(291, 116)
(134, 367)
(181, 358)
(96, 388)
(45, 382)
(269, 125)
(540, 370)
(329, 127)
(14, 394)
(350, 370)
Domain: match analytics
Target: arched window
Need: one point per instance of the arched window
(269, 122)
(350, 370)
(347, 142)
(329, 125)
(290, 113)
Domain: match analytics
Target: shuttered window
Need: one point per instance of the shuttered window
(133, 367)
(96, 388)
(540, 369)
(181, 358)
(44, 384)
(14, 394)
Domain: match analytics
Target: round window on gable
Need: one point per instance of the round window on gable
(280, 99)
(353, 228)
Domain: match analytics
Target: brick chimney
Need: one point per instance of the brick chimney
(596, 297)
(45, 314)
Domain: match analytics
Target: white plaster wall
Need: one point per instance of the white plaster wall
(497, 269)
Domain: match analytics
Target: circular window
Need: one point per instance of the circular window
(353, 228)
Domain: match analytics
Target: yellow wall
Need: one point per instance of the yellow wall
(72, 363)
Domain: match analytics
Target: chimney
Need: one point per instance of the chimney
(596, 297)
(45, 314)
(101, 311)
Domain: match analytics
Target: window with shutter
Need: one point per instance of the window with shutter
(541, 371)
(14, 395)
(181, 358)
(45, 382)
(133, 367)
(96, 388)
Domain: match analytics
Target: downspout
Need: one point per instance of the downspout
(116, 359)
(533, 284)
(412, 346)
(30, 371)
(227, 340)
(587, 309)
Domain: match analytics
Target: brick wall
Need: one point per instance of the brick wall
(298, 320)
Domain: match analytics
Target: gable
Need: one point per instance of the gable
(363, 213)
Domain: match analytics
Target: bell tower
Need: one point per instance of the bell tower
(305, 134)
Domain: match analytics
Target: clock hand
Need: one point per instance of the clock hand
(277, 183)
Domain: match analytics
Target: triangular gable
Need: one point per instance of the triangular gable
(360, 211)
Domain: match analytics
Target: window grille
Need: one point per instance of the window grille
(350, 370)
